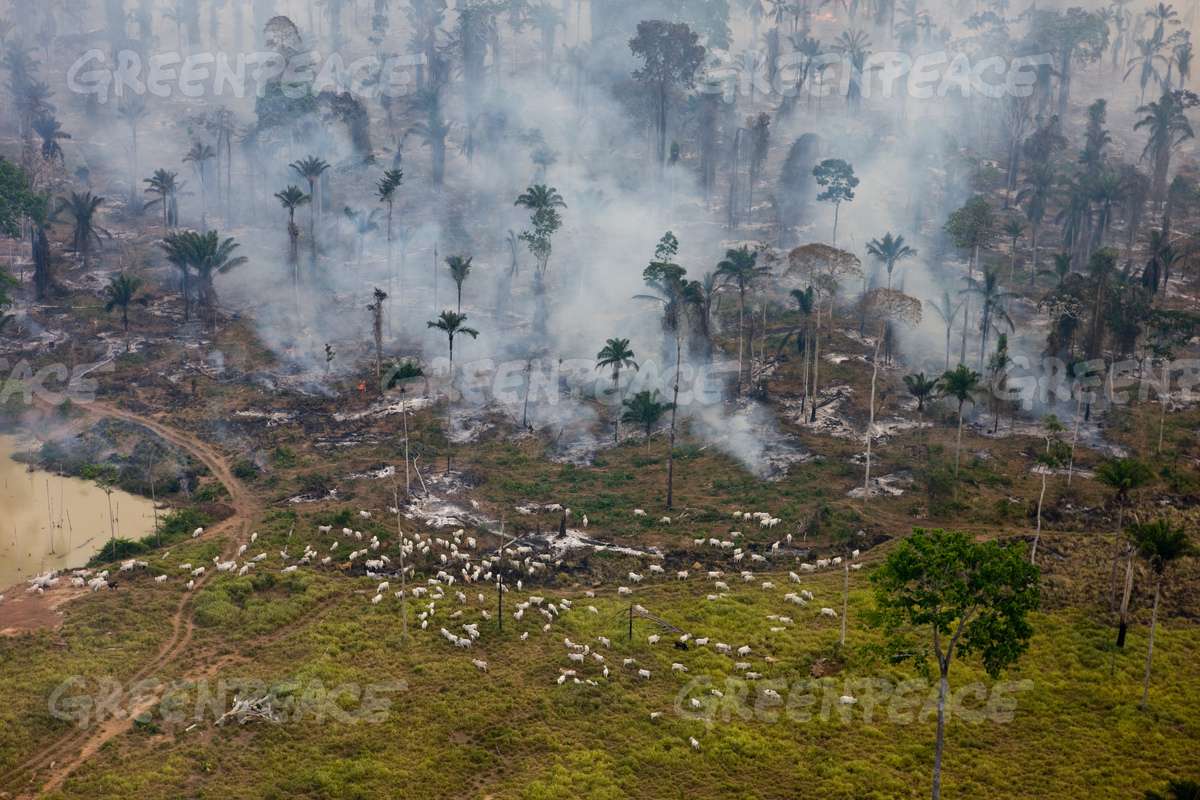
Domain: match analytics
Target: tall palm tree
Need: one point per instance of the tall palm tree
(1123, 477)
(82, 208)
(1160, 543)
(121, 292)
(452, 324)
(292, 198)
(1148, 59)
(644, 410)
(889, 251)
(616, 355)
(1168, 127)
(311, 168)
(49, 129)
(740, 268)
(198, 157)
(167, 186)
(132, 109)
(961, 384)
(855, 47)
(460, 268)
(921, 388)
(947, 311)
(385, 189)
(432, 128)
(993, 305)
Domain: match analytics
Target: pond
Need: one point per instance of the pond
(48, 522)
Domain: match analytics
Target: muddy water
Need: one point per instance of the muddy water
(48, 522)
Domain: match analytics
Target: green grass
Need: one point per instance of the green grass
(515, 733)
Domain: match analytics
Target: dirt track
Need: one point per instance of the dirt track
(46, 769)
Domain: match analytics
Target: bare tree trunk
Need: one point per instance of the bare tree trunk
(674, 409)
(1037, 536)
(1150, 649)
(1124, 624)
(845, 596)
(943, 690)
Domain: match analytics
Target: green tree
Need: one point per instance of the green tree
(644, 410)
(121, 292)
(82, 209)
(971, 228)
(543, 202)
(460, 268)
(311, 168)
(670, 53)
(921, 388)
(837, 181)
(1160, 543)
(199, 156)
(947, 311)
(167, 186)
(452, 324)
(1168, 127)
(889, 251)
(967, 597)
(1177, 790)
(292, 198)
(961, 384)
(740, 268)
(616, 355)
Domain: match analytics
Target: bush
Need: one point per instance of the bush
(245, 470)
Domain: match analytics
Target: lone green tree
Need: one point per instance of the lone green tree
(837, 181)
(645, 410)
(616, 355)
(121, 292)
(964, 598)
(452, 324)
(961, 384)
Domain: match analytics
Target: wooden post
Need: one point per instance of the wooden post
(630, 635)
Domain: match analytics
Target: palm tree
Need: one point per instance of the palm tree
(198, 157)
(213, 256)
(948, 312)
(921, 388)
(121, 292)
(644, 410)
(166, 185)
(292, 198)
(82, 208)
(1169, 127)
(617, 355)
(889, 251)
(51, 132)
(432, 128)
(376, 309)
(451, 323)
(362, 222)
(962, 384)
(1123, 476)
(132, 109)
(386, 191)
(993, 302)
(1013, 230)
(740, 268)
(1162, 15)
(460, 268)
(311, 168)
(178, 247)
(1148, 58)
(1160, 543)
(1035, 197)
(1062, 269)
(855, 47)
